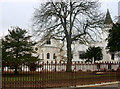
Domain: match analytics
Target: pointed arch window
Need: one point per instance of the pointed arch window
(48, 55)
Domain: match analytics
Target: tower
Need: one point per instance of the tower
(118, 12)
(108, 20)
(108, 23)
(119, 8)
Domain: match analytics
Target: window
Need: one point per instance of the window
(48, 42)
(109, 67)
(48, 55)
(36, 49)
(80, 54)
(72, 54)
(112, 56)
(54, 57)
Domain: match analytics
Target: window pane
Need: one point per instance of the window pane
(48, 42)
(80, 54)
(109, 67)
(48, 55)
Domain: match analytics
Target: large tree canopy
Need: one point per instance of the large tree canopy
(69, 21)
(17, 48)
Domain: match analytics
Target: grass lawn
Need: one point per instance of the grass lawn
(57, 78)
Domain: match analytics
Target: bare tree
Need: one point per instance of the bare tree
(69, 21)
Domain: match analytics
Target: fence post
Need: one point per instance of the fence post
(55, 65)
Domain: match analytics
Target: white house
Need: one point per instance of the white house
(49, 50)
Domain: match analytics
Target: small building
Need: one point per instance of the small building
(49, 50)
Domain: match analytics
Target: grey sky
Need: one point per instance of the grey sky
(19, 13)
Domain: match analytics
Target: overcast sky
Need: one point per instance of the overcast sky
(20, 12)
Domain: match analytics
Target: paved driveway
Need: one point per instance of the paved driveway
(113, 86)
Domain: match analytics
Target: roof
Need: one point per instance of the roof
(108, 19)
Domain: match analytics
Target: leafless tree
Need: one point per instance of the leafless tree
(68, 20)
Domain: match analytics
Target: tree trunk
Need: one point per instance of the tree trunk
(93, 60)
(69, 56)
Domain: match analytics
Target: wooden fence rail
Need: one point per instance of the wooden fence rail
(52, 74)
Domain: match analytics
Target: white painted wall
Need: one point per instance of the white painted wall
(53, 48)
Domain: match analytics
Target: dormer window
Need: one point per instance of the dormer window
(48, 42)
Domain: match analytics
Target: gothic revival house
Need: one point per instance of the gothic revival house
(54, 50)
